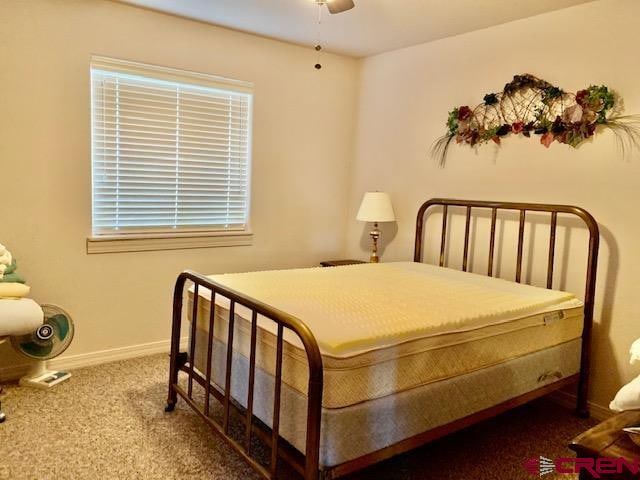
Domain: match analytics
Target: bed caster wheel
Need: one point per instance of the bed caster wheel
(3, 417)
(170, 407)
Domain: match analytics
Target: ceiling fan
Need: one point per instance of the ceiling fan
(337, 6)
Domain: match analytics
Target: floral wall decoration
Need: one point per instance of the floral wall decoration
(530, 106)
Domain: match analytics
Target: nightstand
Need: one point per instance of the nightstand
(609, 441)
(339, 263)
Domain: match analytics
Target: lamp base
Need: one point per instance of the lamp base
(375, 234)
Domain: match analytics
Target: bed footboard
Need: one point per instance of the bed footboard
(307, 465)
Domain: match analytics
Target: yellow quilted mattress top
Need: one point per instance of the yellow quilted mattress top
(359, 308)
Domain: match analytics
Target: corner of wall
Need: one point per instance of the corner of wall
(351, 165)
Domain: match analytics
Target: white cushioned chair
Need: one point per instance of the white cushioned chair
(17, 317)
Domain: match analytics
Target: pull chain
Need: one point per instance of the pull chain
(318, 47)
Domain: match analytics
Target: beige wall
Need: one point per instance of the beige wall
(304, 126)
(303, 142)
(404, 100)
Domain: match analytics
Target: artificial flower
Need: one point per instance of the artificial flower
(589, 116)
(504, 130)
(573, 114)
(490, 99)
(547, 139)
(517, 127)
(581, 98)
(558, 126)
(464, 113)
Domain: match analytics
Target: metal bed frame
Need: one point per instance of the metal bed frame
(307, 464)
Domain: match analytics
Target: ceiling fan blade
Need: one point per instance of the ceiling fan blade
(338, 6)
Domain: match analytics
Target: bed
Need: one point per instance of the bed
(371, 360)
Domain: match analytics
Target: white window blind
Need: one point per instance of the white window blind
(170, 150)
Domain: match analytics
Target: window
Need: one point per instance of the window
(170, 152)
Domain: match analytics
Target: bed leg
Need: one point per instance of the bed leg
(172, 396)
(582, 404)
(177, 359)
(326, 475)
(176, 364)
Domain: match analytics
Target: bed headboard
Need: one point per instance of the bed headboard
(523, 208)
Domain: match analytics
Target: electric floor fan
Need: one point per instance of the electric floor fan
(50, 339)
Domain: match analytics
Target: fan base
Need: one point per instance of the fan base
(45, 380)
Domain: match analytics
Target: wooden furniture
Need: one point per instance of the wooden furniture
(338, 263)
(608, 440)
(307, 464)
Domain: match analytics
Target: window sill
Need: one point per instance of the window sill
(166, 241)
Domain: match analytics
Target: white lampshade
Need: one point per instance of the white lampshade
(376, 207)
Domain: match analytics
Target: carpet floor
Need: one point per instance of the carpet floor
(107, 422)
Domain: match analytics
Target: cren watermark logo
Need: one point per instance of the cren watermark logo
(541, 466)
(595, 467)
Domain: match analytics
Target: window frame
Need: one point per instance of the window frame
(170, 238)
(159, 238)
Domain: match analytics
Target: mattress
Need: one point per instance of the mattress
(389, 328)
(351, 432)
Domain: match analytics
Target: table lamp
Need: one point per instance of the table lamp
(375, 207)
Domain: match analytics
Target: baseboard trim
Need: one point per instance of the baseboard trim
(13, 372)
(568, 400)
(71, 362)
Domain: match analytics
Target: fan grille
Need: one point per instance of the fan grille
(49, 340)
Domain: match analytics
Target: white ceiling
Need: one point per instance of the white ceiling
(373, 26)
